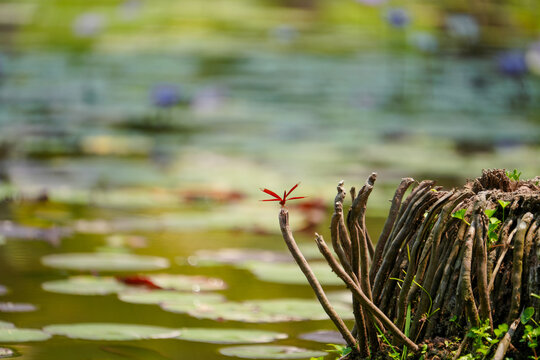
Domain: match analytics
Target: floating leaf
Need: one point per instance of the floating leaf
(85, 285)
(261, 311)
(16, 335)
(104, 262)
(344, 297)
(324, 336)
(187, 283)
(165, 296)
(111, 331)
(17, 307)
(6, 353)
(6, 325)
(289, 273)
(236, 256)
(270, 352)
(229, 336)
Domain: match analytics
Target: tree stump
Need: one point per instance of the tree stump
(446, 262)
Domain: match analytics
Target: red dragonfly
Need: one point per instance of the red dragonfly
(282, 200)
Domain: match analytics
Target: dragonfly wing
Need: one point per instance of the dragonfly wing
(292, 189)
(296, 197)
(270, 192)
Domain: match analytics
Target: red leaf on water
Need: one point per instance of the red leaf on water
(138, 280)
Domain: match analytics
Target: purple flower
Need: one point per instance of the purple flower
(398, 17)
(512, 63)
(165, 95)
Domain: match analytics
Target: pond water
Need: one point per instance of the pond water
(155, 140)
(24, 276)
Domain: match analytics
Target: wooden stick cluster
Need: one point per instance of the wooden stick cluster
(447, 270)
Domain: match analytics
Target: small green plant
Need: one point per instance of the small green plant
(503, 204)
(339, 349)
(483, 341)
(407, 330)
(514, 175)
(460, 214)
(531, 333)
(394, 354)
(493, 226)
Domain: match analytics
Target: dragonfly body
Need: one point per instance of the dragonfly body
(284, 199)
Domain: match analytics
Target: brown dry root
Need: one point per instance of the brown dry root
(451, 273)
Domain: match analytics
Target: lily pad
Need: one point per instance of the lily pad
(6, 325)
(111, 331)
(229, 336)
(324, 336)
(17, 307)
(290, 273)
(16, 335)
(270, 352)
(85, 285)
(104, 262)
(6, 353)
(165, 296)
(344, 297)
(261, 311)
(237, 256)
(187, 283)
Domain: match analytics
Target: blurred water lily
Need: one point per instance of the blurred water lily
(130, 9)
(532, 58)
(371, 2)
(512, 63)
(424, 41)
(88, 24)
(208, 100)
(398, 17)
(284, 33)
(463, 27)
(165, 95)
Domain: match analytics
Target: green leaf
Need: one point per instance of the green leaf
(459, 214)
(339, 349)
(504, 203)
(500, 330)
(494, 221)
(527, 314)
(514, 175)
(490, 212)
